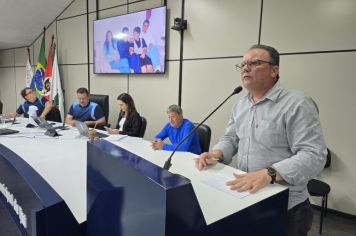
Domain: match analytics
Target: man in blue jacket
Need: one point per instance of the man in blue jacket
(86, 111)
(41, 106)
(176, 130)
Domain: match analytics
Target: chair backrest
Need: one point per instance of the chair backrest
(204, 133)
(143, 127)
(54, 115)
(103, 102)
(328, 159)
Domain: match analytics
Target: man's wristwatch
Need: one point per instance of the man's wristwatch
(272, 172)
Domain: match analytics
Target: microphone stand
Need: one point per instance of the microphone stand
(168, 163)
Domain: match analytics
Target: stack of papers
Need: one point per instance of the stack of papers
(218, 181)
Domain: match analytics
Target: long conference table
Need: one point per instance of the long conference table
(50, 185)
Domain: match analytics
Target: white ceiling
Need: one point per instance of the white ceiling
(22, 21)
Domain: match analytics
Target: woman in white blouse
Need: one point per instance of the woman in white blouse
(129, 121)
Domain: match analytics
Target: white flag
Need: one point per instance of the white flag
(56, 87)
(29, 73)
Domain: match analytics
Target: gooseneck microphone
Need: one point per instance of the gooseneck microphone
(168, 163)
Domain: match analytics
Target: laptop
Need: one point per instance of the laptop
(41, 122)
(4, 131)
(83, 129)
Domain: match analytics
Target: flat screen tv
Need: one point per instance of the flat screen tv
(133, 43)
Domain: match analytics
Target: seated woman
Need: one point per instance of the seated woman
(129, 122)
(112, 55)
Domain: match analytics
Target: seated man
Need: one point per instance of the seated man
(176, 130)
(41, 106)
(85, 110)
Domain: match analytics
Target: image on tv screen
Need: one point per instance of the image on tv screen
(131, 44)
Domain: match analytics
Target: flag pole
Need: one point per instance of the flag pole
(28, 53)
(44, 35)
(52, 40)
(53, 49)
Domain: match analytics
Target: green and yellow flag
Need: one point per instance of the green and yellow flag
(38, 78)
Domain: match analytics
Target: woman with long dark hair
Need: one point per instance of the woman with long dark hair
(112, 55)
(129, 122)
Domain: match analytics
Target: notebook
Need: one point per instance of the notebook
(4, 131)
(83, 129)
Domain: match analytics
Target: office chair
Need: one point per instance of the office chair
(103, 102)
(204, 133)
(54, 115)
(319, 188)
(143, 127)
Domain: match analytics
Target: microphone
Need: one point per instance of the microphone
(168, 163)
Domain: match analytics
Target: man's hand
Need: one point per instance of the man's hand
(204, 160)
(10, 115)
(157, 144)
(251, 182)
(69, 120)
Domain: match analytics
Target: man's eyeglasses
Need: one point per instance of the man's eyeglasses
(30, 92)
(251, 64)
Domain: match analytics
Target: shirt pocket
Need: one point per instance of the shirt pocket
(271, 134)
(242, 133)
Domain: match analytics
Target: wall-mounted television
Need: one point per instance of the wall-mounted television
(133, 43)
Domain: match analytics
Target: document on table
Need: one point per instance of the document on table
(115, 137)
(130, 139)
(123, 138)
(218, 181)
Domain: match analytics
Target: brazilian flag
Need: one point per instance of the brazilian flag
(38, 78)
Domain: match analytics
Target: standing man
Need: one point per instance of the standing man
(176, 130)
(41, 106)
(86, 111)
(277, 135)
(152, 50)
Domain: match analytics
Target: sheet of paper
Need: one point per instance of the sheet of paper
(218, 181)
(130, 139)
(116, 137)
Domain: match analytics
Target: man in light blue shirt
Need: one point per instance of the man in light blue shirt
(176, 130)
(276, 134)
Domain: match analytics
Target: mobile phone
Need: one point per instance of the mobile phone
(29, 125)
